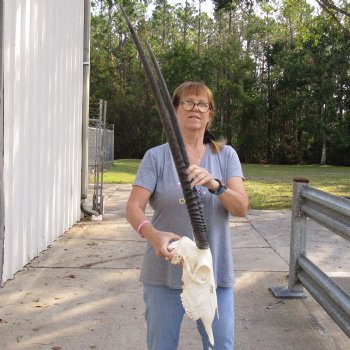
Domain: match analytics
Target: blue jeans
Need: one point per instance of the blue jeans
(164, 314)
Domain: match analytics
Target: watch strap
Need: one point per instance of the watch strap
(220, 190)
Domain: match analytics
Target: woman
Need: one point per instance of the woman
(216, 172)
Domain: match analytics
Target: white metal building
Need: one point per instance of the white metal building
(41, 126)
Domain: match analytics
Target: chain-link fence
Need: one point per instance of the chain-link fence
(101, 144)
(101, 150)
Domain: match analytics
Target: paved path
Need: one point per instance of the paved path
(83, 292)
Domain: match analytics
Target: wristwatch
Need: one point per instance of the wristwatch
(220, 190)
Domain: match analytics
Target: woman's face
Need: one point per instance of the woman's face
(193, 112)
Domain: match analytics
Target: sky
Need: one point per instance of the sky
(207, 5)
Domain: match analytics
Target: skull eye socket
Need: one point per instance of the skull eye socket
(202, 273)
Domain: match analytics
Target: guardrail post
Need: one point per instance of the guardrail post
(294, 290)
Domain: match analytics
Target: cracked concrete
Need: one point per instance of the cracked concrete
(83, 291)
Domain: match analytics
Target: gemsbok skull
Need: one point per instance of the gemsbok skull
(199, 293)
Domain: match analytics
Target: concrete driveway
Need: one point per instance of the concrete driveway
(83, 291)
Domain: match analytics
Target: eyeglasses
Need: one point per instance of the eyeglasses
(188, 105)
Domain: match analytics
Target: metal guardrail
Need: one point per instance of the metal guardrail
(333, 213)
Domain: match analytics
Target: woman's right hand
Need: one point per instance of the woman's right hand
(160, 241)
(135, 214)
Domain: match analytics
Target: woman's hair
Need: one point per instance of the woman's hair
(199, 88)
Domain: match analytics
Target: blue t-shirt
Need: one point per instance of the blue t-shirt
(157, 173)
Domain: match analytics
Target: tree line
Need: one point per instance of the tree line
(279, 71)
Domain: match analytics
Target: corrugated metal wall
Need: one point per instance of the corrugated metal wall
(43, 47)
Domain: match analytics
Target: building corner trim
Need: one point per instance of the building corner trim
(2, 198)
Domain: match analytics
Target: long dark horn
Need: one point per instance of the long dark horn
(168, 118)
(169, 105)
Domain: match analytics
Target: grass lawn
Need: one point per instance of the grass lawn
(123, 171)
(271, 186)
(268, 186)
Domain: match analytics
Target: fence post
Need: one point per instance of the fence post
(294, 290)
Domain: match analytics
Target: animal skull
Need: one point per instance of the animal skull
(199, 292)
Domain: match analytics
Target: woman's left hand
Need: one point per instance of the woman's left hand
(234, 198)
(201, 177)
